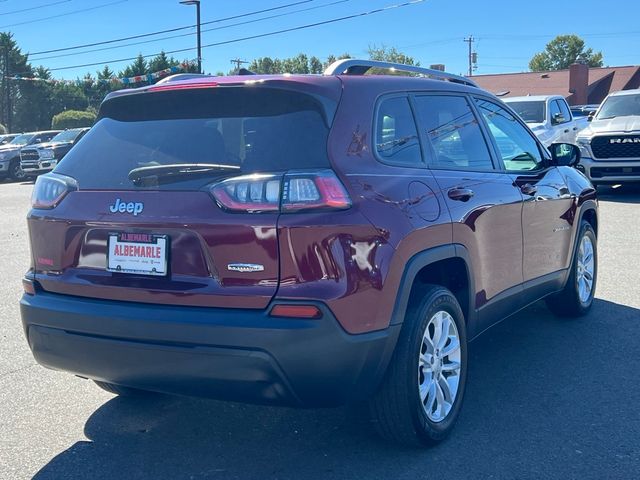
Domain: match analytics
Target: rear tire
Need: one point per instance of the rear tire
(421, 395)
(576, 298)
(121, 390)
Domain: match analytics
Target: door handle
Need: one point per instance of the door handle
(575, 128)
(528, 189)
(460, 194)
(566, 130)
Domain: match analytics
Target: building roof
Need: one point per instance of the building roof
(557, 82)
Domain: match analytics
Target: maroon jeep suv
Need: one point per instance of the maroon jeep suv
(305, 240)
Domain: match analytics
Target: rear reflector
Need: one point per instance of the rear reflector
(28, 286)
(296, 311)
(293, 191)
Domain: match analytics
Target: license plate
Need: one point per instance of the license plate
(139, 253)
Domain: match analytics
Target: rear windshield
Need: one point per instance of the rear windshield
(255, 129)
(530, 112)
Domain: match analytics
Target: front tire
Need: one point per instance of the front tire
(422, 392)
(576, 298)
(15, 172)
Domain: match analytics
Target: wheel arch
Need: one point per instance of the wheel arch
(448, 266)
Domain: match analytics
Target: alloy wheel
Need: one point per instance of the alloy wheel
(586, 269)
(439, 366)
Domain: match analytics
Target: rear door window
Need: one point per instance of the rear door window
(453, 132)
(257, 130)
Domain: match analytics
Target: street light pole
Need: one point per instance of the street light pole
(197, 4)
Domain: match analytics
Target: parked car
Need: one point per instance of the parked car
(4, 139)
(611, 144)
(549, 117)
(43, 157)
(579, 111)
(10, 152)
(305, 240)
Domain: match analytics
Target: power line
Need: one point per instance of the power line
(191, 33)
(252, 37)
(159, 32)
(35, 8)
(64, 14)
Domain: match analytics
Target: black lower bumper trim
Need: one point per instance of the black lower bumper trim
(232, 354)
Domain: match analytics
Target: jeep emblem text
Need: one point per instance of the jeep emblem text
(122, 207)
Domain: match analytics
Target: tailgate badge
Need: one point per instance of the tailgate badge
(123, 207)
(245, 267)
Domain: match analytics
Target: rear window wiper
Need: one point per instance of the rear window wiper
(175, 170)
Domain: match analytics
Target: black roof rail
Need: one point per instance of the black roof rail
(352, 66)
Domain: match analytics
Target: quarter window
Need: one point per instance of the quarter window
(396, 133)
(517, 147)
(454, 133)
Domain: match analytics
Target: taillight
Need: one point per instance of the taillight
(50, 189)
(290, 192)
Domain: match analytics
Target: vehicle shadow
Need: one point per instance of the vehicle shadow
(539, 404)
(629, 193)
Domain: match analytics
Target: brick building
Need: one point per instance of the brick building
(579, 84)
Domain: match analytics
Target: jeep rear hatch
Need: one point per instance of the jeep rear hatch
(174, 195)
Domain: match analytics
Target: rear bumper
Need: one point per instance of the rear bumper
(232, 354)
(611, 171)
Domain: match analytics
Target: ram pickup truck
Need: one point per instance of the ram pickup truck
(549, 117)
(10, 152)
(43, 157)
(610, 145)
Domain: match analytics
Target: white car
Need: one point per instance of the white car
(549, 117)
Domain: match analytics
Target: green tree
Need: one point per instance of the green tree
(138, 67)
(17, 64)
(73, 119)
(301, 63)
(390, 54)
(561, 52)
(266, 65)
(332, 58)
(161, 62)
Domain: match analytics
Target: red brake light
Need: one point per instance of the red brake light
(294, 191)
(50, 189)
(296, 311)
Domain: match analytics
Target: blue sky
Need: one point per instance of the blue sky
(508, 33)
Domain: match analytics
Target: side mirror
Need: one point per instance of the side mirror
(590, 117)
(557, 119)
(564, 154)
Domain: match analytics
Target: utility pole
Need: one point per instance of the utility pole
(238, 62)
(470, 41)
(7, 88)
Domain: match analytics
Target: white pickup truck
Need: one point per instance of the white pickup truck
(549, 117)
(610, 145)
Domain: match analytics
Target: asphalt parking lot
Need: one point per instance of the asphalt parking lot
(546, 398)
